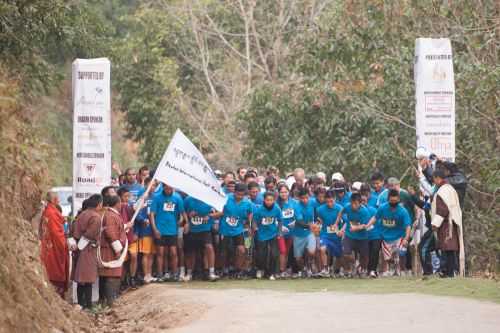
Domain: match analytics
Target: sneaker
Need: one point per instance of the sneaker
(259, 274)
(397, 273)
(324, 274)
(186, 278)
(272, 278)
(386, 274)
(297, 275)
(149, 279)
(213, 277)
(340, 275)
(373, 275)
(309, 274)
(165, 277)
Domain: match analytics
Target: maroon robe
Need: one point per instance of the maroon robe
(113, 229)
(85, 262)
(445, 243)
(54, 250)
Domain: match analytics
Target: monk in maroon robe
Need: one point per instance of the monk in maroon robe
(54, 250)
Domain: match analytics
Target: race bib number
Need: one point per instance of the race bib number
(354, 222)
(288, 213)
(169, 207)
(232, 221)
(197, 220)
(332, 229)
(267, 220)
(389, 223)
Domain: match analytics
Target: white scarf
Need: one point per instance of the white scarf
(450, 198)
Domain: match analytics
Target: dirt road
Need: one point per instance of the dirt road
(158, 308)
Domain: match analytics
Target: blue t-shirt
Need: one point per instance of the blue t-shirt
(235, 215)
(198, 223)
(346, 199)
(356, 217)
(373, 200)
(376, 230)
(267, 221)
(288, 214)
(305, 214)
(141, 229)
(394, 221)
(167, 210)
(329, 216)
(136, 190)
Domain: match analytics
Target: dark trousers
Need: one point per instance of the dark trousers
(268, 255)
(110, 289)
(425, 248)
(449, 263)
(84, 295)
(374, 251)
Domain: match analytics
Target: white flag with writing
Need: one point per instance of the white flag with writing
(183, 167)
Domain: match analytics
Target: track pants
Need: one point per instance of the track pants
(268, 256)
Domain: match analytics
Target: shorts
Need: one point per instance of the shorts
(229, 244)
(146, 245)
(301, 243)
(284, 245)
(166, 241)
(355, 245)
(194, 241)
(332, 245)
(233, 241)
(390, 250)
(133, 247)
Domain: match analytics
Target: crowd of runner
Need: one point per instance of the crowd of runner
(271, 227)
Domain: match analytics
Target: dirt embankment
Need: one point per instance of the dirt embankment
(150, 309)
(27, 301)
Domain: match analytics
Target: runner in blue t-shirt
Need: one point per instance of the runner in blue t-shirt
(329, 216)
(356, 218)
(236, 216)
(199, 237)
(377, 180)
(343, 197)
(374, 233)
(303, 237)
(288, 207)
(136, 190)
(396, 227)
(143, 229)
(167, 214)
(267, 223)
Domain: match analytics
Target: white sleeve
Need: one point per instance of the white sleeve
(117, 246)
(425, 185)
(71, 243)
(437, 221)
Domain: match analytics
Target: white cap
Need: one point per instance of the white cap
(422, 153)
(321, 175)
(290, 181)
(356, 186)
(337, 176)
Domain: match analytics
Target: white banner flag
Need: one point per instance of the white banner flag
(91, 128)
(435, 96)
(183, 167)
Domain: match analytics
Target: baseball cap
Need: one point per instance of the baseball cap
(337, 176)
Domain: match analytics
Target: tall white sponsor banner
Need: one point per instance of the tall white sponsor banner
(184, 167)
(91, 128)
(435, 96)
